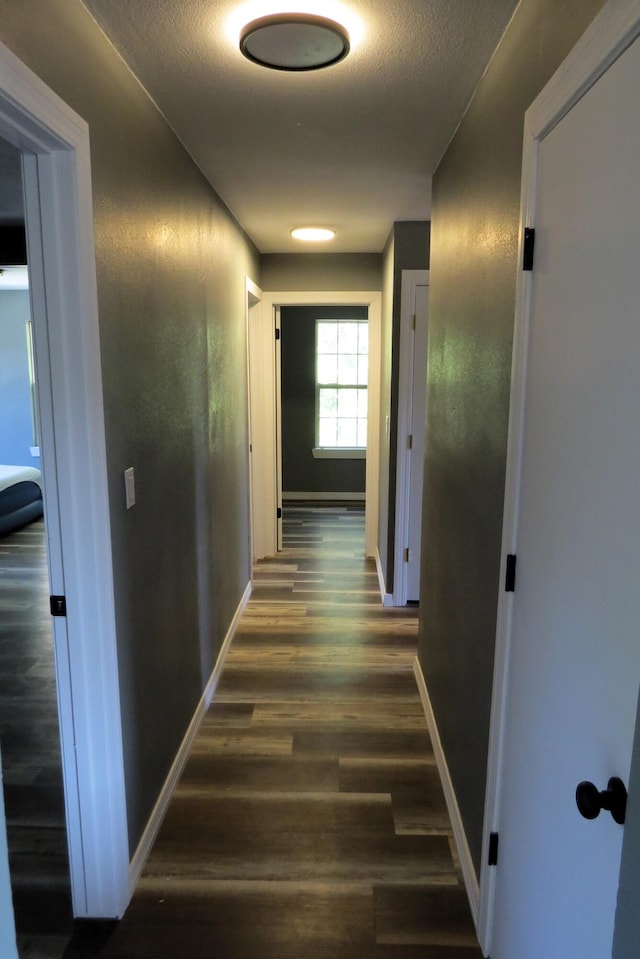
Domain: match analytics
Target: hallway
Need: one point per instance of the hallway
(309, 820)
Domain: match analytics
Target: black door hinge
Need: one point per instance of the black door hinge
(510, 575)
(493, 849)
(528, 247)
(58, 605)
(277, 333)
(279, 512)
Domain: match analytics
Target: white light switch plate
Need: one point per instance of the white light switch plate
(130, 487)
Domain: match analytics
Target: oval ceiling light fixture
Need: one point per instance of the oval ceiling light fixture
(294, 42)
(335, 10)
(313, 234)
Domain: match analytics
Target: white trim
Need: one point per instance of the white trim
(8, 948)
(252, 289)
(387, 598)
(253, 301)
(321, 497)
(59, 216)
(459, 834)
(339, 453)
(162, 803)
(611, 32)
(278, 405)
(373, 300)
(410, 280)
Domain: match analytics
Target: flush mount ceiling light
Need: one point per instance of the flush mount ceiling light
(313, 234)
(294, 41)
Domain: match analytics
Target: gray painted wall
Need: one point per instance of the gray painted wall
(16, 423)
(300, 471)
(476, 195)
(406, 249)
(299, 272)
(171, 264)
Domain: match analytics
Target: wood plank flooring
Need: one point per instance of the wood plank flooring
(309, 820)
(31, 761)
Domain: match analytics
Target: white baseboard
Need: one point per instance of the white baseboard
(320, 497)
(387, 598)
(464, 853)
(155, 820)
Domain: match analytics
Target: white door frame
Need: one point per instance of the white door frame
(277, 346)
(59, 218)
(8, 948)
(253, 309)
(373, 301)
(410, 280)
(613, 30)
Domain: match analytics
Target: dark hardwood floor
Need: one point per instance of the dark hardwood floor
(309, 820)
(29, 738)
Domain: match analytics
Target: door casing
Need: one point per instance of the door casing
(253, 312)
(272, 300)
(59, 218)
(404, 494)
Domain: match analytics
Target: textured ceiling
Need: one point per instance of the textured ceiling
(353, 146)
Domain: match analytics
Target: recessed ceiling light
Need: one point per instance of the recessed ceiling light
(294, 41)
(313, 234)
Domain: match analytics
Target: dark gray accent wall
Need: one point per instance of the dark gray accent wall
(476, 195)
(171, 264)
(299, 272)
(406, 249)
(300, 471)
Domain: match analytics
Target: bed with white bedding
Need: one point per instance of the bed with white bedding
(20, 497)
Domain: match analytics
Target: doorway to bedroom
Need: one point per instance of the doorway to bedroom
(29, 723)
(323, 404)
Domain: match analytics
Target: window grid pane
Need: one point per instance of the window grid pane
(341, 376)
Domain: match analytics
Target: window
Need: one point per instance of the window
(342, 355)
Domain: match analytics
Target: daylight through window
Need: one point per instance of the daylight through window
(342, 356)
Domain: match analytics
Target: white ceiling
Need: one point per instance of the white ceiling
(352, 146)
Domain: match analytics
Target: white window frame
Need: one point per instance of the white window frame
(336, 452)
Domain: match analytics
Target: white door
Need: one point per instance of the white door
(418, 415)
(575, 614)
(255, 405)
(278, 395)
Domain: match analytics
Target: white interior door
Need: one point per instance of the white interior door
(278, 395)
(575, 613)
(255, 370)
(412, 396)
(418, 415)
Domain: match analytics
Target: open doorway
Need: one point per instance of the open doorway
(29, 726)
(54, 146)
(323, 406)
(270, 500)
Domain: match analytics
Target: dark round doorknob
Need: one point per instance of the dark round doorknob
(591, 800)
